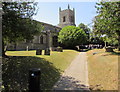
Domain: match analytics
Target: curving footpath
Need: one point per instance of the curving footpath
(75, 77)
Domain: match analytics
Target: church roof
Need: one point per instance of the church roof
(48, 24)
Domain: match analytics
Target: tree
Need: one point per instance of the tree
(72, 36)
(17, 22)
(107, 22)
(86, 30)
(111, 41)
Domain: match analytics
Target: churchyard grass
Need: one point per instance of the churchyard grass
(15, 69)
(103, 69)
(60, 60)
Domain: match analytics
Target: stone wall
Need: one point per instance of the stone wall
(24, 46)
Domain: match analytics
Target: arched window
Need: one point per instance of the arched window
(64, 19)
(55, 41)
(41, 39)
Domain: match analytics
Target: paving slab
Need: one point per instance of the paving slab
(75, 77)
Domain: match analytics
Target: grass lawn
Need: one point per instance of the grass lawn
(103, 69)
(15, 69)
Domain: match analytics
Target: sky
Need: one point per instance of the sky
(48, 12)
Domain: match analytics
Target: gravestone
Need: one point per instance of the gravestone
(59, 49)
(109, 49)
(47, 51)
(38, 52)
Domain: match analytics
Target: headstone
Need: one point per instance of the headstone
(109, 49)
(47, 51)
(38, 52)
(59, 49)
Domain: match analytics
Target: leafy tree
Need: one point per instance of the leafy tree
(107, 22)
(86, 30)
(72, 36)
(17, 23)
(111, 41)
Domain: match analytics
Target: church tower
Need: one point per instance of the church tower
(66, 17)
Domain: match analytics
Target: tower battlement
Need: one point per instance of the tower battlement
(66, 17)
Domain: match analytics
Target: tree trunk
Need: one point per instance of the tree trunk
(3, 51)
(105, 44)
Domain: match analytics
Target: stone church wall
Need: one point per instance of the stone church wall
(48, 33)
(24, 46)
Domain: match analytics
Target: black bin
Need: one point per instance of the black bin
(34, 80)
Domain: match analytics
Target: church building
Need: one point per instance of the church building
(49, 36)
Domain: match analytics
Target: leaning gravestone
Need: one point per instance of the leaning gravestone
(59, 49)
(109, 49)
(38, 52)
(47, 51)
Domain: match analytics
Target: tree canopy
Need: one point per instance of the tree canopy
(17, 23)
(86, 30)
(72, 36)
(107, 22)
(84, 27)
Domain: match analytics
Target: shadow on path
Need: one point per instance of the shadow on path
(70, 83)
(75, 76)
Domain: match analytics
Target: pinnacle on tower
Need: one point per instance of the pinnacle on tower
(73, 9)
(68, 6)
(59, 8)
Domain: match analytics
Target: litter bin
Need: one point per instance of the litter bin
(34, 80)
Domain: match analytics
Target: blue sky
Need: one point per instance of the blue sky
(49, 11)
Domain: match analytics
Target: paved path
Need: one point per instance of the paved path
(75, 76)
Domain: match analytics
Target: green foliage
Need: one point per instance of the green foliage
(96, 40)
(72, 36)
(17, 21)
(111, 40)
(108, 20)
(85, 29)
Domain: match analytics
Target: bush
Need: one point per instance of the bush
(72, 36)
